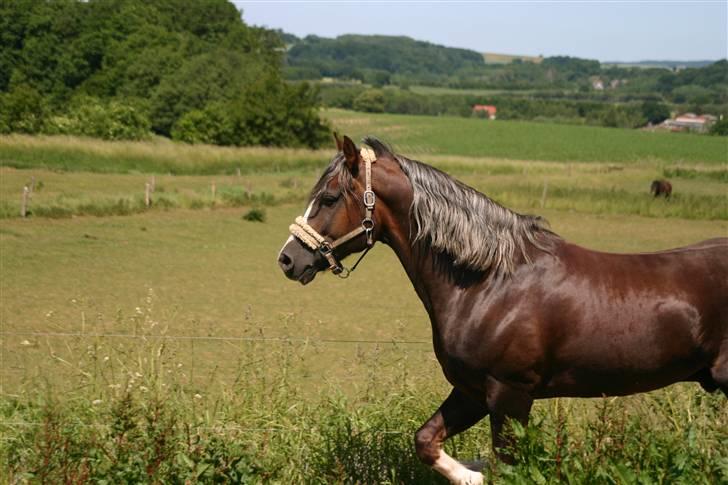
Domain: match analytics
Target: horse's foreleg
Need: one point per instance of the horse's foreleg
(456, 414)
(506, 403)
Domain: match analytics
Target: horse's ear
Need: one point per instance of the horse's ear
(339, 143)
(351, 154)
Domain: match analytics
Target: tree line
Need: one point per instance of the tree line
(631, 114)
(128, 69)
(381, 60)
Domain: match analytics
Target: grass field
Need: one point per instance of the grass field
(494, 58)
(166, 345)
(419, 135)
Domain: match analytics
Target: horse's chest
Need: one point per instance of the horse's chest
(462, 366)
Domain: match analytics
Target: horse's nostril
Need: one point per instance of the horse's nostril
(285, 262)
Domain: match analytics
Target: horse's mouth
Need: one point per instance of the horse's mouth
(308, 275)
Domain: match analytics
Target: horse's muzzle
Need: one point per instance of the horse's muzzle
(297, 268)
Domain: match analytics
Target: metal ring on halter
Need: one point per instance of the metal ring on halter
(369, 199)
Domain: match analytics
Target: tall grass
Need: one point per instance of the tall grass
(720, 175)
(512, 192)
(612, 200)
(65, 207)
(159, 156)
(135, 415)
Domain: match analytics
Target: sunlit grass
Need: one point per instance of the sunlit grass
(159, 156)
(420, 135)
(166, 345)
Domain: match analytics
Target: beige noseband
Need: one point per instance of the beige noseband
(302, 231)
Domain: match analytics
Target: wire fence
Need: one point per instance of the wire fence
(392, 341)
(226, 428)
(250, 339)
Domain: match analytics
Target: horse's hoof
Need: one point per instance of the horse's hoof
(475, 465)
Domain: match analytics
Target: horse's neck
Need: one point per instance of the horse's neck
(425, 271)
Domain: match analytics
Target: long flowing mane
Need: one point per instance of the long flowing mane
(475, 231)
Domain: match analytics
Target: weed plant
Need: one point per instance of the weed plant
(254, 215)
(136, 415)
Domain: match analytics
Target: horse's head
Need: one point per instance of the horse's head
(342, 217)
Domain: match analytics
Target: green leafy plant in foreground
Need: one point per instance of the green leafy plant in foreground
(132, 414)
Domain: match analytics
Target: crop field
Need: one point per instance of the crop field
(418, 135)
(162, 344)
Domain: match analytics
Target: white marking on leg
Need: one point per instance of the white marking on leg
(455, 472)
(305, 218)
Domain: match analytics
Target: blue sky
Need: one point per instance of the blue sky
(607, 31)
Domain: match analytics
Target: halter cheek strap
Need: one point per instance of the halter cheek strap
(311, 238)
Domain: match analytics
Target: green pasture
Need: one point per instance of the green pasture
(212, 274)
(421, 135)
(163, 344)
(74, 177)
(185, 315)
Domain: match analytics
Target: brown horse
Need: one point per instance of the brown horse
(661, 187)
(517, 312)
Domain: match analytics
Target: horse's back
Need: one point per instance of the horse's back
(621, 323)
(690, 282)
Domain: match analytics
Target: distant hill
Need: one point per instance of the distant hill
(494, 58)
(373, 58)
(659, 64)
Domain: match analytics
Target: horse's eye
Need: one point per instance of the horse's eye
(328, 200)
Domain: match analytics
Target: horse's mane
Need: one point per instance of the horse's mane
(475, 231)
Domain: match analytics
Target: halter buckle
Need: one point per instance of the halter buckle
(325, 248)
(369, 199)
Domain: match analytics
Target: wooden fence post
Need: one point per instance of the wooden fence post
(24, 202)
(543, 195)
(147, 195)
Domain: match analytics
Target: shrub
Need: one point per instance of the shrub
(268, 113)
(22, 110)
(371, 101)
(720, 128)
(111, 120)
(254, 215)
(201, 126)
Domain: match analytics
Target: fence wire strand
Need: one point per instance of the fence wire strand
(233, 428)
(217, 338)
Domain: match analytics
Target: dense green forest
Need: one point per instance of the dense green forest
(376, 58)
(194, 71)
(129, 68)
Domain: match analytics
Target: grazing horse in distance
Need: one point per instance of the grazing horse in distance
(661, 187)
(517, 312)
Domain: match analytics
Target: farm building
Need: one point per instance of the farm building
(690, 122)
(486, 109)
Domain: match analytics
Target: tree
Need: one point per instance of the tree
(111, 68)
(720, 127)
(371, 101)
(655, 112)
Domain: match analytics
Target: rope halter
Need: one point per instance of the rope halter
(302, 231)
